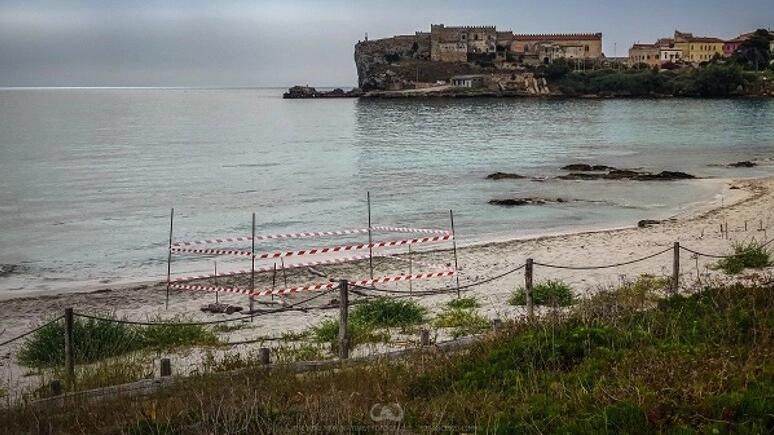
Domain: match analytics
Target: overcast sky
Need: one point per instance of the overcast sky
(282, 43)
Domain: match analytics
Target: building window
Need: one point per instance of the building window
(586, 48)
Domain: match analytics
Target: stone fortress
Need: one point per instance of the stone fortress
(463, 54)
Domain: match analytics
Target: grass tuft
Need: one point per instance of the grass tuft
(95, 340)
(752, 255)
(551, 292)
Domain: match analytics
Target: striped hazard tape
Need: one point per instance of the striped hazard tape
(314, 287)
(316, 251)
(310, 234)
(361, 283)
(264, 269)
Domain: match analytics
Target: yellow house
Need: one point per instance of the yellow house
(697, 49)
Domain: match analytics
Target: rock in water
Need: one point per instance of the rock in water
(503, 176)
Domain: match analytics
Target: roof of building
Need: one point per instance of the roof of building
(467, 77)
(558, 36)
(704, 39)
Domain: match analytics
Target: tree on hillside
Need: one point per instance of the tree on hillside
(755, 51)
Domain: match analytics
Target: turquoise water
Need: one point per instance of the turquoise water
(88, 176)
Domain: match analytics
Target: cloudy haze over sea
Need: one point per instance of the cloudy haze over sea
(282, 43)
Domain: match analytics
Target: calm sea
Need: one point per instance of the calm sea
(88, 176)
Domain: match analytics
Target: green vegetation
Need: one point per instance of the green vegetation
(551, 292)
(366, 320)
(690, 364)
(466, 302)
(95, 340)
(462, 315)
(386, 312)
(754, 53)
(753, 255)
(714, 79)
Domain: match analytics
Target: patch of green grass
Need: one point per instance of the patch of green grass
(466, 302)
(465, 321)
(641, 293)
(551, 292)
(387, 312)
(357, 332)
(95, 340)
(702, 363)
(752, 255)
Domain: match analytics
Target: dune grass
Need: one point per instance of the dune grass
(689, 364)
(550, 293)
(752, 255)
(96, 340)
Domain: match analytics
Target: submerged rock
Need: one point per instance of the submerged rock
(504, 176)
(625, 174)
(744, 164)
(510, 202)
(583, 167)
(647, 223)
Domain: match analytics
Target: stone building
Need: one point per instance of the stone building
(645, 53)
(571, 46)
(452, 44)
(697, 49)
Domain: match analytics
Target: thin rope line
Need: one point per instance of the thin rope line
(212, 322)
(607, 266)
(31, 332)
(705, 255)
(445, 289)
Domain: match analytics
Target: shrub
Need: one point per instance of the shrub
(551, 292)
(464, 321)
(385, 313)
(95, 340)
(358, 332)
(752, 255)
(467, 302)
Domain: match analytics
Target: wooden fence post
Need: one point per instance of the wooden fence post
(166, 367)
(265, 358)
(343, 314)
(676, 268)
(56, 387)
(424, 337)
(69, 348)
(528, 289)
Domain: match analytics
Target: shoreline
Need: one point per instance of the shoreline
(728, 197)
(579, 259)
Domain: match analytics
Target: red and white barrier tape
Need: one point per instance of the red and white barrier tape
(211, 288)
(212, 251)
(409, 230)
(314, 287)
(316, 251)
(271, 268)
(273, 237)
(310, 234)
(366, 282)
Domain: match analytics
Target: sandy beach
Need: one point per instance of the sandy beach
(746, 207)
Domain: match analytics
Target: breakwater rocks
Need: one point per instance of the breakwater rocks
(582, 171)
(513, 202)
(310, 92)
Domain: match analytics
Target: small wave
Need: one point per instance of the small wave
(252, 165)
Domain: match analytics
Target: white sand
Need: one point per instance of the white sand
(750, 203)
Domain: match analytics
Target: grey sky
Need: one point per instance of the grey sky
(281, 43)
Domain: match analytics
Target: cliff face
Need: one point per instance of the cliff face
(400, 62)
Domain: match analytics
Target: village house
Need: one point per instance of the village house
(697, 49)
(468, 81)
